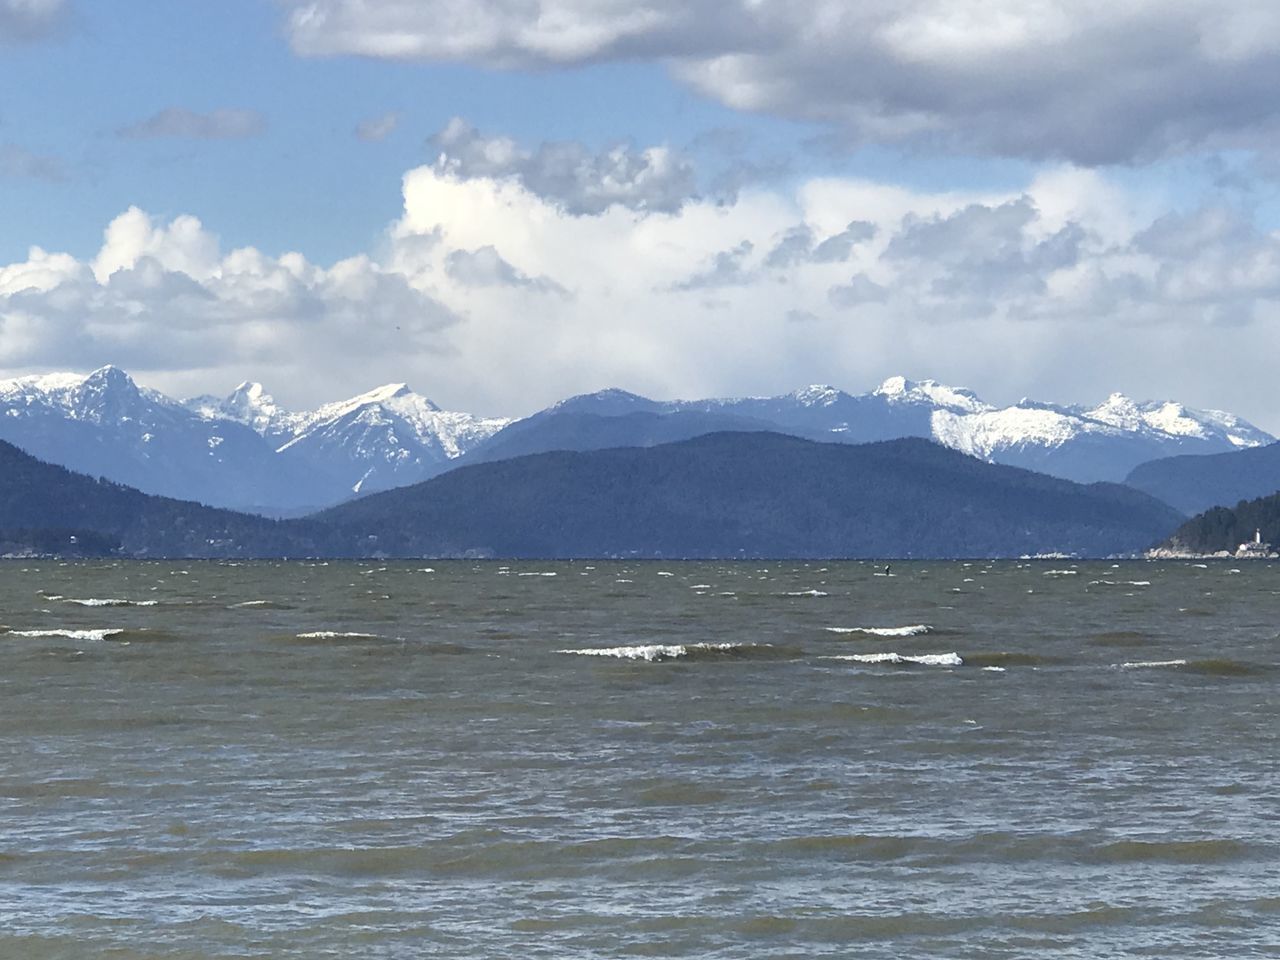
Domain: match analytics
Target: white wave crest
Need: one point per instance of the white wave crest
(1148, 664)
(925, 659)
(1119, 583)
(336, 635)
(806, 593)
(535, 573)
(109, 602)
(658, 651)
(914, 630)
(68, 634)
(252, 603)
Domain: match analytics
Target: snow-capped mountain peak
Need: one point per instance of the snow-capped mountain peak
(247, 450)
(902, 390)
(817, 395)
(250, 404)
(1118, 411)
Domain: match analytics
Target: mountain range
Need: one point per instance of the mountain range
(736, 494)
(246, 452)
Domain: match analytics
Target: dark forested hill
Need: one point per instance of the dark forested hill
(1196, 483)
(720, 495)
(43, 506)
(1225, 528)
(754, 494)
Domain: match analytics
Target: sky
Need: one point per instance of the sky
(506, 202)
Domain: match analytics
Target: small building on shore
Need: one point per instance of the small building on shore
(1254, 548)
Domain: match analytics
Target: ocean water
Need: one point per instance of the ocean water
(610, 759)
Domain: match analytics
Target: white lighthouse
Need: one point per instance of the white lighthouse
(1254, 548)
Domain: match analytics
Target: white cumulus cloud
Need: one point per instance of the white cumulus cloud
(490, 295)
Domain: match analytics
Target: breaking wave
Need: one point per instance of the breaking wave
(900, 659)
(110, 602)
(914, 630)
(336, 635)
(66, 633)
(654, 652)
(1151, 664)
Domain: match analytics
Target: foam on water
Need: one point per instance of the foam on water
(806, 593)
(68, 633)
(108, 602)
(653, 652)
(913, 630)
(1148, 664)
(925, 659)
(336, 635)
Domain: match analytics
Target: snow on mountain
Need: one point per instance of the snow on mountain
(105, 425)
(1099, 443)
(387, 437)
(1078, 443)
(247, 451)
(251, 405)
(1175, 420)
(930, 393)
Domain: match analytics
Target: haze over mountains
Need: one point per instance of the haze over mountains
(246, 452)
(1192, 484)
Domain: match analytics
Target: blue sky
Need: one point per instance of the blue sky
(567, 195)
(306, 183)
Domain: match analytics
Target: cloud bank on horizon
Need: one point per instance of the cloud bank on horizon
(522, 270)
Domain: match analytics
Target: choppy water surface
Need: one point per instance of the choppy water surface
(606, 760)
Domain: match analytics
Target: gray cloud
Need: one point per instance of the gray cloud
(799, 245)
(654, 179)
(19, 163)
(728, 268)
(485, 267)
(26, 20)
(859, 290)
(983, 252)
(377, 129)
(1093, 83)
(179, 122)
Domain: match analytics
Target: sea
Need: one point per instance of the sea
(1015, 759)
